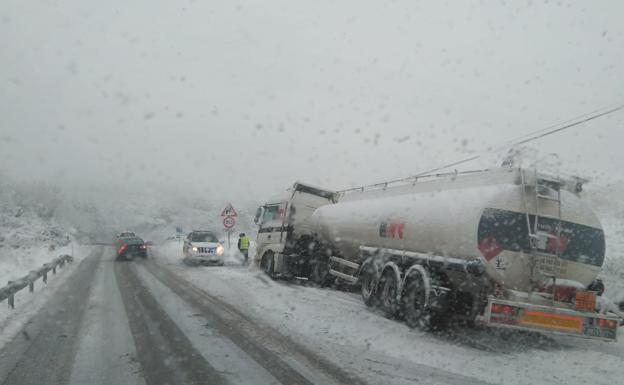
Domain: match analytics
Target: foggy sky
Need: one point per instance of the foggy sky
(234, 99)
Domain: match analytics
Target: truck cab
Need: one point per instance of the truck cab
(285, 228)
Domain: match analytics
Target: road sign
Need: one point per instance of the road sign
(229, 211)
(229, 222)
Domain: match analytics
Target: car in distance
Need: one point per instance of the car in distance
(128, 248)
(203, 248)
(126, 234)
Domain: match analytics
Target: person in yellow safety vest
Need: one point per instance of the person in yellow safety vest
(243, 246)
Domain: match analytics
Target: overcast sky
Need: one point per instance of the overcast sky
(240, 98)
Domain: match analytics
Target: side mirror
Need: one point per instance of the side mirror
(258, 216)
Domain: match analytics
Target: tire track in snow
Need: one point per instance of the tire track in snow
(165, 353)
(288, 361)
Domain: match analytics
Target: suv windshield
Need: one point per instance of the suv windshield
(203, 237)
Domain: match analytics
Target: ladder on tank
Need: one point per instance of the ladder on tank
(542, 187)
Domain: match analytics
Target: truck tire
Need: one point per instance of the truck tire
(319, 272)
(368, 284)
(417, 314)
(268, 264)
(387, 289)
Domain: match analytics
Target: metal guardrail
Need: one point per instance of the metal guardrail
(8, 292)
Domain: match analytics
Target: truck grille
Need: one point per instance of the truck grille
(206, 250)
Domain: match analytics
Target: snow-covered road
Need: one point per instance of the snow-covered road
(161, 322)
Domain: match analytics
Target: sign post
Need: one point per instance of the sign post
(229, 220)
(179, 232)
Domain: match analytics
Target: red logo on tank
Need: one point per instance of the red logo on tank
(391, 229)
(551, 246)
(489, 247)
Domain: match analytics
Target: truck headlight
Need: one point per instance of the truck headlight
(194, 248)
(220, 250)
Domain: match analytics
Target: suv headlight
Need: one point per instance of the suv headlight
(194, 248)
(220, 250)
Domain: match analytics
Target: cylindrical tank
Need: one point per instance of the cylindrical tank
(481, 217)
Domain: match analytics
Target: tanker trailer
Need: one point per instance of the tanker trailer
(508, 247)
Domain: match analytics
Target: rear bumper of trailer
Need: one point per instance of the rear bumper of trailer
(530, 317)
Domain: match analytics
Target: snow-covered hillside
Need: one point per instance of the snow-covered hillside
(29, 233)
(38, 220)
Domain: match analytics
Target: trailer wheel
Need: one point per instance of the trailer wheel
(368, 281)
(417, 314)
(268, 264)
(388, 292)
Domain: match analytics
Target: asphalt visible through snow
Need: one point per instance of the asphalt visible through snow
(141, 323)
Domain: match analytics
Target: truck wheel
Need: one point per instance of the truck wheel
(417, 314)
(320, 272)
(368, 284)
(268, 264)
(388, 286)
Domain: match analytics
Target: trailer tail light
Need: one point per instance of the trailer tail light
(585, 301)
(504, 309)
(606, 323)
(504, 314)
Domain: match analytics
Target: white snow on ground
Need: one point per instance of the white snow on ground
(220, 352)
(339, 325)
(106, 348)
(16, 263)
(608, 203)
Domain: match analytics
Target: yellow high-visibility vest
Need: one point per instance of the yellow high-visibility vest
(244, 243)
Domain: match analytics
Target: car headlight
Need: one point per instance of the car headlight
(220, 250)
(194, 248)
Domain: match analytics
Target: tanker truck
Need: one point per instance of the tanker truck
(506, 247)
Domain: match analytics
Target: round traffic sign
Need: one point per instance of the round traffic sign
(229, 222)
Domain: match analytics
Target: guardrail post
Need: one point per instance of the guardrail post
(11, 297)
(45, 277)
(31, 286)
(54, 269)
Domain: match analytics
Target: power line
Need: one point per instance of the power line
(574, 119)
(534, 135)
(571, 125)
